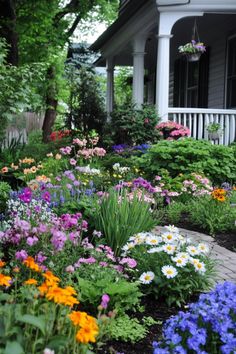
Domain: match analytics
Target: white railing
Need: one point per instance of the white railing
(197, 120)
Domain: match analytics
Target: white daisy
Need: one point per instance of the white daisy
(203, 248)
(128, 246)
(169, 249)
(200, 267)
(168, 237)
(183, 255)
(152, 240)
(169, 271)
(192, 250)
(146, 278)
(172, 228)
(155, 250)
(180, 262)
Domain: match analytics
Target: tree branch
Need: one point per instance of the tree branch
(72, 7)
(73, 26)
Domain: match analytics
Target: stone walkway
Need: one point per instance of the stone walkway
(226, 260)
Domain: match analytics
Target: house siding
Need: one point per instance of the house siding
(215, 29)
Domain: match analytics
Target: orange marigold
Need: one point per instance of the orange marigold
(61, 296)
(5, 280)
(78, 318)
(51, 279)
(31, 282)
(2, 264)
(87, 334)
(30, 263)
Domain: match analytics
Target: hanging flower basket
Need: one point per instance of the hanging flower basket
(193, 57)
(192, 50)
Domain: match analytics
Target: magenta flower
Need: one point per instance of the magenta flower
(105, 301)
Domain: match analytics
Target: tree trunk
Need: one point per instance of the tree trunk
(8, 29)
(51, 104)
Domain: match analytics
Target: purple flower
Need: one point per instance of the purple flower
(105, 301)
(21, 255)
(46, 197)
(32, 240)
(26, 195)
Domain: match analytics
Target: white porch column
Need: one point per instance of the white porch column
(163, 73)
(110, 87)
(166, 21)
(138, 69)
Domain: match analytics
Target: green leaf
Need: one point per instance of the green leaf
(38, 322)
(13, 348)
(57, 342)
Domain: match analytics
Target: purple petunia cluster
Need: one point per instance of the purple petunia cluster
(208, 327)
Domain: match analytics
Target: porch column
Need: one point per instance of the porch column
(163, 75)
(166, 21)
(110, 87)
(138, 69)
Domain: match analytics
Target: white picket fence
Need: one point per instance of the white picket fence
(197, 120)
(21, 126)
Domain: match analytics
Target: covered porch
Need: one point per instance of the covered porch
(147, 38)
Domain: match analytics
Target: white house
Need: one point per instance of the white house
(147, 35)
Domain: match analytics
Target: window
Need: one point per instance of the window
(231, 74)
(191, 82)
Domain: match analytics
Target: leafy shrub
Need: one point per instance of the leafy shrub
(129, 329)
(133, 126)
(207, 327)
(120, 217)
(4, 194)
(173, 265)
(93, 281)
(173, 212)
(217, 162)
(212, 215)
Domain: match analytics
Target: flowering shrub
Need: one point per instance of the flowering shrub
(207, 327)
(60, 134)
(182, 187)
(172, 131)
(173, 265)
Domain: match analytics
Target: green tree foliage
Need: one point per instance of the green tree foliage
(86, 106)
(39, 31)
(18, 92)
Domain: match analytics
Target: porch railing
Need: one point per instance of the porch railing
(197, 120)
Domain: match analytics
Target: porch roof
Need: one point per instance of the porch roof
(131, 8)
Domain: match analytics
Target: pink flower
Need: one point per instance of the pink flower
(73, 162)
(70, 269)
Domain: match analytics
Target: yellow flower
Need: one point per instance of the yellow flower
(33, 169)
(50, 154)
(4, 280)
(31, 282)
(58, 156)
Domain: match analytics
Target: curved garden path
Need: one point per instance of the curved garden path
(226, 260)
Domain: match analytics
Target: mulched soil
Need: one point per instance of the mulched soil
(160, 312)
